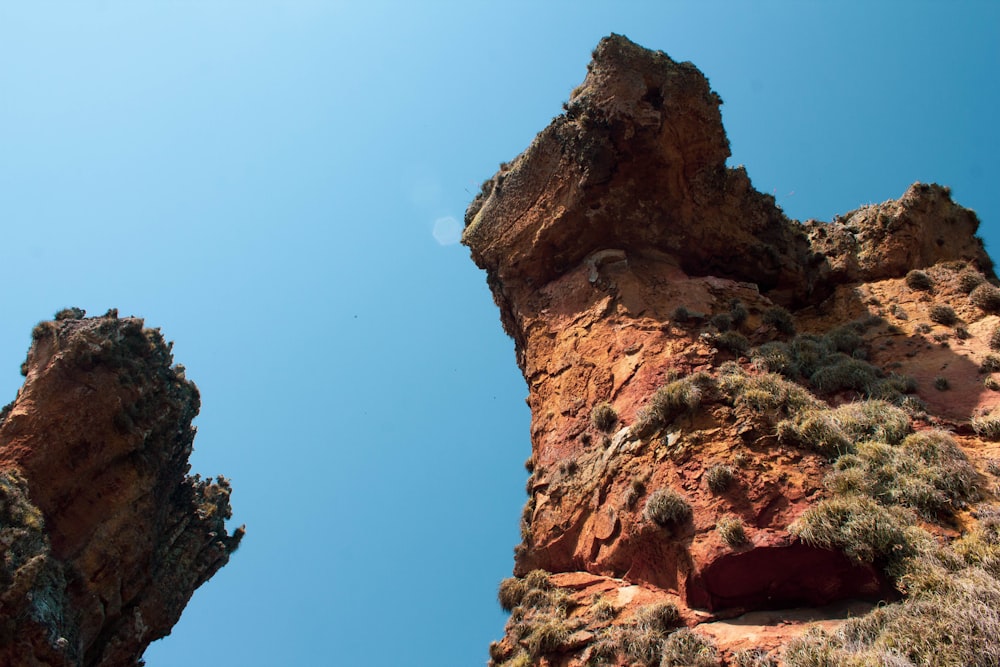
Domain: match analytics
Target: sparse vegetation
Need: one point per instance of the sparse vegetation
(927, 472)
(738, 312)
(667, 508)
(872, 420)
(987, 426)
(970, 280)
(520, 659)
(731, 530)
(815, 430)
(568, 467)
(825, 362)
(636, 490)
(753, 657)
(733, 341)
(660, 616)
(943, 314)
(641, 640)
(859, 526)
(539, 620)
(986, 297)
(722, 321)
(603, 609)
(688, 649)
(604, 417)
(674, 399)
(883, 479)
(764, 392)
(720, 477)
(941, 383)
(809, 352)
(871, 517)
(41, 330)
(538, 580)
(991, 364)
(950, 619)
(741, 457)
(835, 431)
(511, 592)
(844, 339)
(24, 541)
(682, 314)
(884, 482)
(844, 373)
(995, 339)
(547, 636)
(775, 357)
(527, 514)
(70, 314)
(892, 387)
(919, 280)
(780, 319)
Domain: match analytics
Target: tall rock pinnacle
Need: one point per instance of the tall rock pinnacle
(703, 371)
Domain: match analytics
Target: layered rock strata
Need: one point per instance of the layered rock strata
(682, 340)
(105, 534)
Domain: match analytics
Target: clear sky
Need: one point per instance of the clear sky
(263, 179)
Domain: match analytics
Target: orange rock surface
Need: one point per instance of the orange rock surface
(620, 250)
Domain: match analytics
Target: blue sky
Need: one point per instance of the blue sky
(262, 181)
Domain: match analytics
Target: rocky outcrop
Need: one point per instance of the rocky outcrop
(699, 365)
(106, 536)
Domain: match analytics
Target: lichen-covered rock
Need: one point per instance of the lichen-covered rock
(699, 366)
(37, 621)
(107, 536)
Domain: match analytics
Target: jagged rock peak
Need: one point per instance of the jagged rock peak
(107, 535)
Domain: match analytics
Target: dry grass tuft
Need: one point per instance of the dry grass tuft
(673, 400)
(667, 508)
(604, 417)
(720, 477)
(986, 297)
(943, 314)
(731, 530)
(859, 526)
(919, 280)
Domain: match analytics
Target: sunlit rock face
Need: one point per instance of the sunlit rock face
(106, 534)
(678, 332)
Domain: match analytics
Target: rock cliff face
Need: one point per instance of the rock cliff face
(734, 413)
(105, 536)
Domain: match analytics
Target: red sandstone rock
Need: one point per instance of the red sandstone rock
(110, 536)
(619, 214)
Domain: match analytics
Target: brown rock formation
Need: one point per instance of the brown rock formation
(106, 537)
(625, 257)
